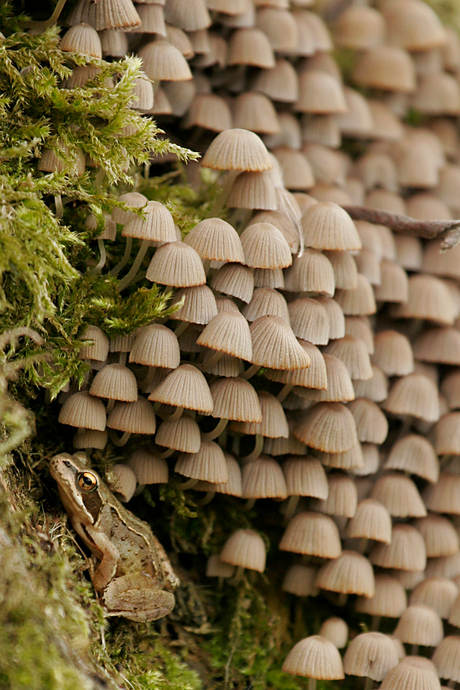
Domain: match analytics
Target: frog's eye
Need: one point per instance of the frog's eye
(87, 482)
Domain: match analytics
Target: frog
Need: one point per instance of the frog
(130, 568)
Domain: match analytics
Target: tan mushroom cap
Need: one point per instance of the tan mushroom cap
(393, 353)
(313, 534)
(228, 332)
(124, 482)
(296, 170)
(447, 658)
(268, 277)
(399, 495)
(82, 38)
(309, 320)
(406, 551)
(234, 280)
(300, 580)
(279, 84)
(394, 284)
(274, 345)
(250, 46)
(182, 434)
(359, 302)
(263, 478)
(135, 417)
(420, 624)
(89, 438)
(369, 263)
(235, 399)
(199, 305)
(342, 497)
(266, 301)
(439, 593)
(446, 434)
(207, 464)
(414, 454)
(163, 62)
(215, 239)
(412, 672)
(350, 573)
(441, 538)
(350, 460)
(305, 476)
(176, 264)
(255, 112)
(327, 226)
(253, 190)
(156, 226)
(319, 93)
(370, 654)
(215, 567)
(450, 388)
(375, 388)
(389, 600)
(115, 382)
(359, 28)
(439, 345)
(409, 252)
(314, 657)
(430, 299)
(386, 67)
(353, 353)
(265, 246)
(130, 199)
(328, 427)
(336, 317)
(335, 630)
(148, 467)
(156, 346)
(274, 423)
(313, 376)
(246, 549)
(345, 270)
(311, 272)
(444, 496)
(415, 395)
(444, 566)
(237, 149)
(99, 349)
(370, 521)
(185, 387)
(339, 387)
(83, 411)
(189, 16)
(413, 25)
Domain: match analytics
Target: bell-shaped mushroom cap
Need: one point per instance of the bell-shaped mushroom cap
(350, 460)
(439, 593)
(82, 38)
(265, 246)
(176, 264)
(237, 149)
(415, 395)
(444, 496)
(314, 657)
(83, 411)
(228, 332)
(313, 534)
(217, 240)
(413, 25)
(295, 169)
(335, 630)
(148, 467)
(371, 521)
(420, 624)
(234, 280)
(399, 495)
(385, 67)
(135, 417)
(336, 316)
(263, 478)
(450, 388)
(444, 566)
(266, 301)
(353, 353)
(208, 464)
(233, 487)
(370, 654)
(359, 28)
(375, 388)
(359, 302)
(342, 497)
(394, 284)
(319, 93)
(313, 376)
(164, 62)
(441, 538)
(345, 270)
(156, 346)
(328, 427)
(447, 658)
(393, 353)
(185, 387)
(198, 305)
(181, 434)
(124, 483)
(305, 476)
(327, 226)
(89, 438)
(215, 567)
(253, 190)
(246, 549)
(99, 349)
(439, 345)
(157, 226)
(389, 600)
(279, 84)
(236, 399)
(274, 345)
(300, 580)
(406, 551)
(134, 199)
(274, 423)
(446, 434)
(430, 299)
(415, 455)
(339, 385)
(115, 382)
(116, 15)
(309, 320)
(189, 16)
(350, 573)
(255, 112)
(250, 46)
(412, 672)
(311, 272)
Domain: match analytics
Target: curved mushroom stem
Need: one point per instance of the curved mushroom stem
(414, 650)
(258, 447)
(101, 263)
(250, 503)
(181, 328)
(122, 357)
(182, 486)
(230, 178)
(284, 392)
(312, 684)
(218, 429)
(343, 596)
(164, 415)
(207, 499)
(292, 504)
(124, 259)
(375, 622)
(166, 453)
(362, 546)
(253, 369)
(110, 405)
(132, 273)
(59, 206)
(119, 440)
(214, 358)
(368, 684)
(206, 265)
(51, 20)
(238, 576)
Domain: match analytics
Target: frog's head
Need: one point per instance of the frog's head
(79, 487)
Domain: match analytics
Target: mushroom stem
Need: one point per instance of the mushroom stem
(258, 447)
(119, 440)
(284, 392)
(110, 405)
(181, 328)
(362, 546)
(170, 417)
(219, 204)
(451, 683)
(145, 244)
(312, 684)
(207, 499)
(375, 622)
(448, 230)
(59, 206)
(250, 503)
(51, 20)
(214, 358)
(182, 486)
(238, 576)
(206, 265)
(103, 256)
(414, 650)
(124, 259)
(122, 358)
(343, 596)
(218, 429)
(166, 453)
(253, 369)
(368, 684)
(292, 504)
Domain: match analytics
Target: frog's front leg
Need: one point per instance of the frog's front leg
(105, 571)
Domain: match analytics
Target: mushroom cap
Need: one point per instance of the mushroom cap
(375, 388)
(329, 427)
(274, 423)
(164, 62)
(253, 190)
(313, 376)
(412, 672)
(339, 386)
(350, 460)
(319, 93)
(250, 46)
(265, 246)
(389, 600)
(314, 657)
(393, 353)
(415, 455)
(208, 464)
(370, 521)
(263, 478)
(359, 28)
(420, 624)
(228, 332)
(125, 481)
(359, 302)
(313, 534)
(156, 346)
(115, 382)
(135, 417)
(181, 434)
(430, 299)
(245, 548)
(82, 38)
(274, 345)
(342, 497)
(370, 654)
(237, 149)
(345, 270)
(446, 658)
(311, 272)
(439, 534)
(119, 15)
(446, 434)
(176, 264)
(399, 495)
(415, 395)
(100, 347)
(156, 226)
(255, 112)
(300, 580)
(353, 352)
(438, 345)
(439, 593)
(235, 398)
(148, 467)
(215, 239)
(89, 438)
(336, 630)
(305, 476)
(309, 320)
(327, 226)
(444, 496)
(336, 316)
(266, 301)
(234, 280)
(198, 305)
(406, 551)
(84, 411)
(215, 567)
(185, 387)
(188, 16)
(350, 573)
(386, 67)
(413, 25)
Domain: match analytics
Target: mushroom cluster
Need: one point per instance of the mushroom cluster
(313, 360)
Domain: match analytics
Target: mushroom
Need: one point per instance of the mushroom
(244, 549)
(314, 657)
